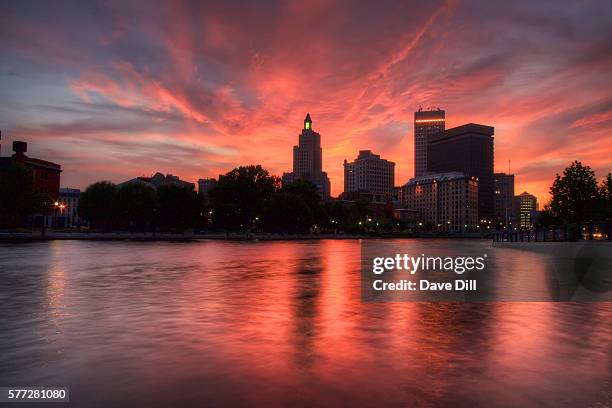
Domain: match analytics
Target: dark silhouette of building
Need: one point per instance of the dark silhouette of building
(364, 195)
(467, 149)
(308, 160)
(205, 185)
(426, 123)
(158, 180)
(504, 193)
(369, 173)
(46, 174)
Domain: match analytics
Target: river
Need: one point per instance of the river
(215, 323)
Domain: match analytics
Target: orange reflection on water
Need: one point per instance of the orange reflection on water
(283, 323)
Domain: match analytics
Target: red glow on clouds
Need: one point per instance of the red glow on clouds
(195, 90)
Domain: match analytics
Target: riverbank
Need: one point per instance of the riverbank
(126, 236)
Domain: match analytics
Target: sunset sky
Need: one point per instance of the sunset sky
(112, 90)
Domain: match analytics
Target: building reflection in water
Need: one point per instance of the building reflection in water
(281, 323)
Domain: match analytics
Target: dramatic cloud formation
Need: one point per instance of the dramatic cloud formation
(112, 90)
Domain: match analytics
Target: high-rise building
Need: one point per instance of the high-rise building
(445, 202)
(467, 149)
(524, 208)
(308, 160)
(369, 173)
(504, 193)
(426, 123)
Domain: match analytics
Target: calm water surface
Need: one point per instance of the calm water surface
(278, 324)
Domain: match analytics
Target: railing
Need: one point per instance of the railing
(535, 235)
(587, 231)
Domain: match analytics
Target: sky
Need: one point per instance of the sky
(112, 90)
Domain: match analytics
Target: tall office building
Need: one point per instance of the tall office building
(504, 193)
(524, 208)
(426, 123)
(369, 173)
(467, 149)
(308, 160)
(445, 202)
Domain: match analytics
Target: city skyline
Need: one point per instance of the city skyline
(190, 90)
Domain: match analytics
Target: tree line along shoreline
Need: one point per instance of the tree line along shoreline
(250, 200)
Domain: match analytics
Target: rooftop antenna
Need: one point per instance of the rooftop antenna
(508, 166)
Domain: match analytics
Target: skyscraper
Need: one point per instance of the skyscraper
(504, 192)
(467, 149)
(308, 160)
(426, 123)
(369, 173)
(524, 206)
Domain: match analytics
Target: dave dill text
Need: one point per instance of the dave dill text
(425, 285)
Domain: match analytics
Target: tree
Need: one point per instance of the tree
(179, 207)
(575, 194)
(96, 204)
(336, 215)
(360, 211)
(18, 195)
(547, 219)
(238, 197)
(287, 213)
(605, 193)
(306, 191)
(135, 205)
